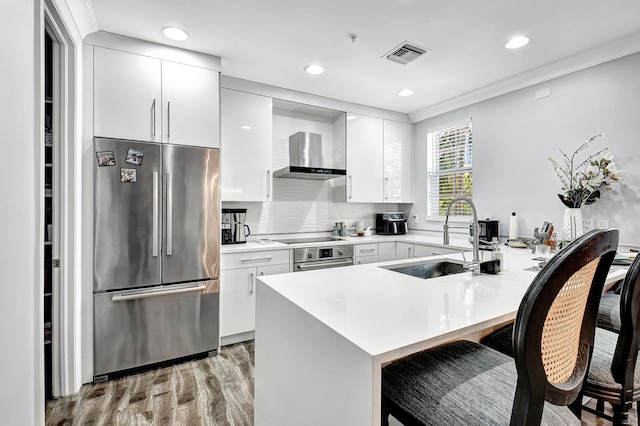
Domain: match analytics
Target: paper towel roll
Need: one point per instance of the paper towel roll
(513, 227)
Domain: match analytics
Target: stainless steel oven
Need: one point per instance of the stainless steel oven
(312, 258)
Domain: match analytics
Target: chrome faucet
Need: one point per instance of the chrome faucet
(475, 265)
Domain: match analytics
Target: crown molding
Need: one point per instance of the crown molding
(586, 59)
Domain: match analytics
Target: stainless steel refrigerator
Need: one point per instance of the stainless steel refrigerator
(156, 253)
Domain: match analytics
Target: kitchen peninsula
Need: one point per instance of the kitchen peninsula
(322, 337)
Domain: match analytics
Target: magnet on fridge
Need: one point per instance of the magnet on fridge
(105, 158)
(134, 157)
(128, 175)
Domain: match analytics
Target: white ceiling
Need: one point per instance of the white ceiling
(271, 41)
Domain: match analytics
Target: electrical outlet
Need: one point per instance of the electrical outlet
(587, 224)
(414, 220)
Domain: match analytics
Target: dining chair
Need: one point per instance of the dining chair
(609, 312)
(463, 382)
(614, 374)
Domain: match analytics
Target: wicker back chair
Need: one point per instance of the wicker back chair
(614, 375)
(467, 383)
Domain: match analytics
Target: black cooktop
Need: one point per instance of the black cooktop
(306, 240)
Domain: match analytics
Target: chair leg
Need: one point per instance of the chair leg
(600, 406)
(621, 415)
(385, 416)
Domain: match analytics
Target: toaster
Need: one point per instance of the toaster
(391, 223)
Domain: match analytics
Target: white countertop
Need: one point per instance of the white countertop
(384, 312)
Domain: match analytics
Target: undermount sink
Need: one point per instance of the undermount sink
(432, 269)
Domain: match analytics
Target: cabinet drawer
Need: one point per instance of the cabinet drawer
(363, 260)
(367, 250)
(421, 250)
(255, 258)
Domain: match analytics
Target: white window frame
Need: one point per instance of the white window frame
(433, 173)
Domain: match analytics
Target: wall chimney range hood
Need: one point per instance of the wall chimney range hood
(305, 159)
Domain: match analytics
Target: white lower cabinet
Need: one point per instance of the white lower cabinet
(386, 251)
(404, 250)
(424, 250)
(366, 253)
(237, 289)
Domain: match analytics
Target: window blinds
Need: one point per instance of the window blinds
(449, 170)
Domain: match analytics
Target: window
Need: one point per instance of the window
(449, 169)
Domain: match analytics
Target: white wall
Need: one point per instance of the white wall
(515, 134)
(21, 392)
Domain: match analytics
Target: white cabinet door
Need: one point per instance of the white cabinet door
(386, 251)
(364, 159)
(398, 143)
(237, 301)
(423, 250)
(238, 297)
(404, 250)
(127, 95)
(190, 105)
(246, 126)
(363, 260)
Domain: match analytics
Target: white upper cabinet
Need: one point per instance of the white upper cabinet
(190, 105)
(127, 95)
(246, 127)
(364, 181)
(143, 98)
(398, 143)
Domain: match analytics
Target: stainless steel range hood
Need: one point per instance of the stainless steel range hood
(305, 159)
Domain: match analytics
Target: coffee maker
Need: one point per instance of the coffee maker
(234, 229)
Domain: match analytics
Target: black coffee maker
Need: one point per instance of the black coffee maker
(234, 229)
(487, 230)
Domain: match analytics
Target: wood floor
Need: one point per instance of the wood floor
(211, 391)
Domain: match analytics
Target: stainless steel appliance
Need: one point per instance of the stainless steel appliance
(312, 258)
(305, 159)
(391, 223)
(156, 254)
(234, 228)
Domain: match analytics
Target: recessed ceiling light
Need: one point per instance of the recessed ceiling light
(245, 127)
(314, 69)
(351, 117)
(175, 33)
(405, 92)
(517, 42)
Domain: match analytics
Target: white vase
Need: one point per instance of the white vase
(572, 224)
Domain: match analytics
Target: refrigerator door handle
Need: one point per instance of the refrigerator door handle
(145, 295)
(169, 216)
(155, 215)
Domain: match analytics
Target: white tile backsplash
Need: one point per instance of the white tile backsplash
(305, 206)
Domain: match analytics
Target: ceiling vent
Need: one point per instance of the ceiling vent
(405, 53)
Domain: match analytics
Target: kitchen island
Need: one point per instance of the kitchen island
(323, 337)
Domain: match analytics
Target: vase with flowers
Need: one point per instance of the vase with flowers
(583, 181)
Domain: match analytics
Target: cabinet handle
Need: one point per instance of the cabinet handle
(257, 259)
(386, 188)
(168, 119)
(154, 226)
(153, 119)
(367, 250)
(409, 251)
(169, 216)
(251, 283)
(350, 187)
(268, 185)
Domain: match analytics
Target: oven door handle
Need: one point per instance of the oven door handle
(323, 265)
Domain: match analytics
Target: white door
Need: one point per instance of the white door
(364, 159)
(398, 143)
(386, 251)
(237, 301)
(246, 173)
(127, 95)
(404, 251)
(190, 105)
